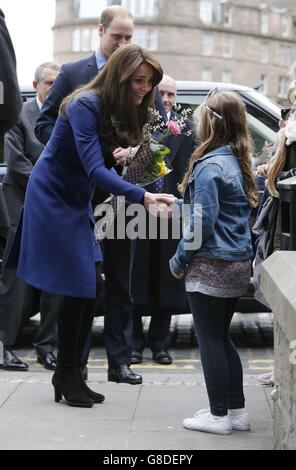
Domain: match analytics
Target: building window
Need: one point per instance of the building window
(227, 47)
(84, 40)
(94, 39)
(142, 8)
(283, 87)
(91, 8)
(285, 26)
(264, 23)
(207, 44)
(147, 38)
(285, 55)
(264, 83)
(227, 16)
(207, 75)
(76, 40)
(206, 12)
(226, 76)
(264, 56)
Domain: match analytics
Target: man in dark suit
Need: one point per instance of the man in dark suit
(154, 290)
(10, 99)
(10, 108)
(18, 300)
(115, 30)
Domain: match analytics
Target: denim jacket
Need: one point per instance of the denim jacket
(218, 225)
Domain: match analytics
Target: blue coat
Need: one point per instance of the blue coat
(57, 243)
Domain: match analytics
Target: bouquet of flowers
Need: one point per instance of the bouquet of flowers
(147, 163)
(155, 132)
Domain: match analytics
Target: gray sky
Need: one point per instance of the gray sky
(29, 23)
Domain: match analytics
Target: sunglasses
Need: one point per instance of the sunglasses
(212, 92)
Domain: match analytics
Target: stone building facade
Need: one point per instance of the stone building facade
(239, 41)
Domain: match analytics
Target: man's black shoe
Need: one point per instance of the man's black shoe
(136, 357)
(12, 362)
(162, 357)
(48, 360)
(123, 374)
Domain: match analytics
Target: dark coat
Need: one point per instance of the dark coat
(10, 99)
(71, 76)
(21, 149)
(153, 287)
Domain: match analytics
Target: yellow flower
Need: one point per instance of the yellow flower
(162, 169)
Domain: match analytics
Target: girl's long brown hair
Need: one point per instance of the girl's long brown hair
(232, 130)
(121, 120)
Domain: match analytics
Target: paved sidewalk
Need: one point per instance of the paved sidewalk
(147, 416)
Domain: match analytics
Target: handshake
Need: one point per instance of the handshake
(159, 205)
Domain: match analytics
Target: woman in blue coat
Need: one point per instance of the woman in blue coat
(58, 252)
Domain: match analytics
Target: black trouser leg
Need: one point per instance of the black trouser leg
(138, 333)
(46, 336)
(119, 305)
(159, 331)
(220, 361)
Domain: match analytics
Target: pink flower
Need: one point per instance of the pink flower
(173, 127)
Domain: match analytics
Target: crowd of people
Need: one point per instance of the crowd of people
(65, 152)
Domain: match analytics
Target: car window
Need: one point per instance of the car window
(263, 127)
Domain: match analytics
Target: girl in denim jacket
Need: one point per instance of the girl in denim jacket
(215, 253)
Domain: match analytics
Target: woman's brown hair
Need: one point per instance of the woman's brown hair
(121, 120)
(221, 120)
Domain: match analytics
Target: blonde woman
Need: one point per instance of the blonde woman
(220, 187)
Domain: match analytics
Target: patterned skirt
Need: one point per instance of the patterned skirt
(218, 277)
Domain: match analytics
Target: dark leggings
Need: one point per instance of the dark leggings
(220, 360)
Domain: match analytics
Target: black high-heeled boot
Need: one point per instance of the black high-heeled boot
(67, 383)
(96, 397)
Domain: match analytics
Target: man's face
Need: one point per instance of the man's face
(43, 86)
(119, 33)
(168, 92)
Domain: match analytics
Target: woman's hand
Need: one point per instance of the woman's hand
(121, 155)
(159, 204)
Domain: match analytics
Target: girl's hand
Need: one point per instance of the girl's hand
(177, 276)
(159, 204)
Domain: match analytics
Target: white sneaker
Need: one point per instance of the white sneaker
(204, 421)
(240, 422)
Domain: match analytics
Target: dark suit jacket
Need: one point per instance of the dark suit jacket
(71, 76)
(10, 99)
(21, 149)
(153, 287)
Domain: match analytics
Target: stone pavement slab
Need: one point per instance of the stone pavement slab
(147, 416)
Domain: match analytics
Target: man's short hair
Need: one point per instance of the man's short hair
(46, 65)
(111, 12)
